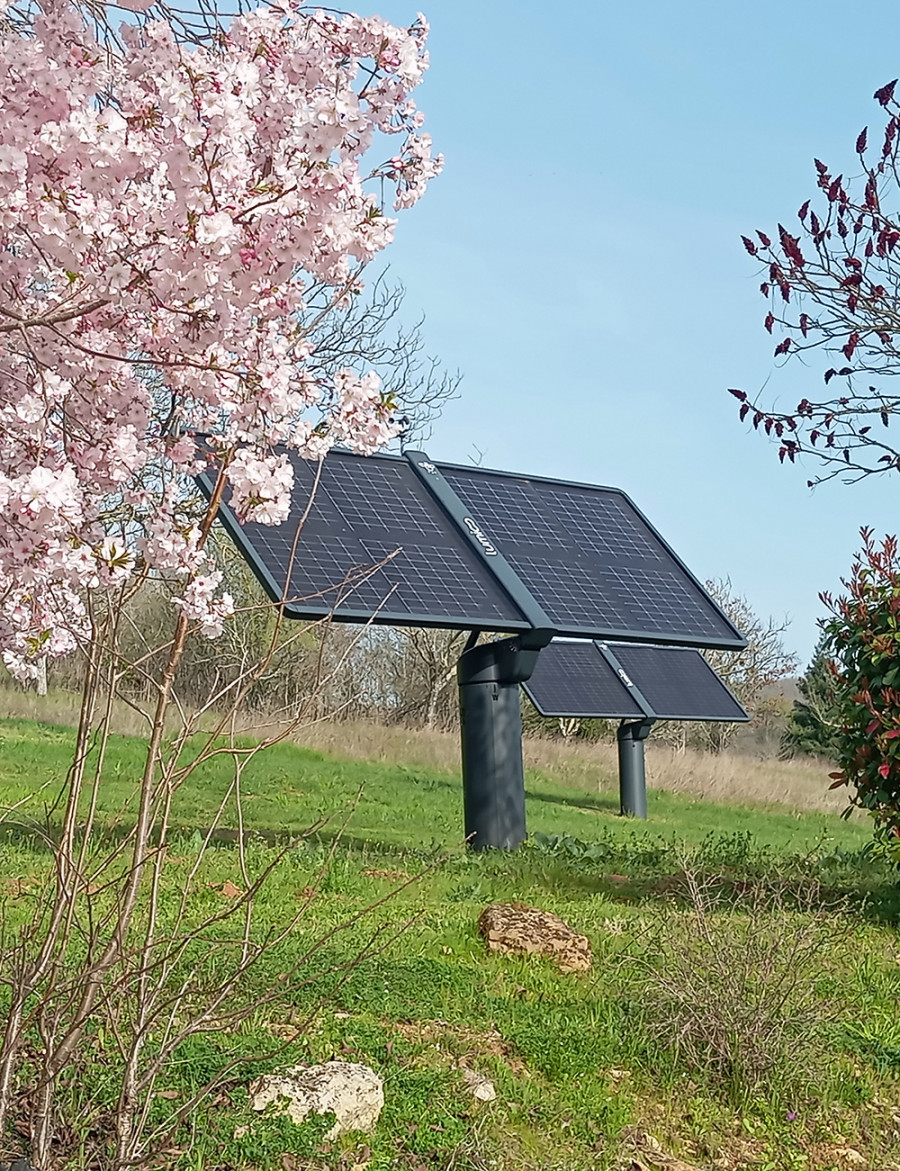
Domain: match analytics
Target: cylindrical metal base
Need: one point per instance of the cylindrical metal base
(493, 775)
(632, 774)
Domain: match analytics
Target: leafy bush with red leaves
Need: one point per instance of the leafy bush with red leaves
(863, 639)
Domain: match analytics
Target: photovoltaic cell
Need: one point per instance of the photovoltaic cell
(677, 683)
(573, 679)
(375, 544)
(591, 559)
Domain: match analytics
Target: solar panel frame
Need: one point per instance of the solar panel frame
(609, 633)
(610, 670)
(493, 576)
(308, 609)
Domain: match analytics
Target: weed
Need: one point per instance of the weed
(733, 990)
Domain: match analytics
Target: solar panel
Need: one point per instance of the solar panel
(377, 545)
(585, 680)
(677, 683)
(403, 541)
(572, 679)
(592, 560)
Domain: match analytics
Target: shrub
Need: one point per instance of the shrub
(863, 638)
(731, 988)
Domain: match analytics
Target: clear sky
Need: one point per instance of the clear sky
(579, 260)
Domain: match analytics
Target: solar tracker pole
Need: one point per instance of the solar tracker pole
(632, 774)
(491, 730)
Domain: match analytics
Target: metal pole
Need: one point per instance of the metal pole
(632, 775)
(491, 733)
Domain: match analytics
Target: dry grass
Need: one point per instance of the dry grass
(801, 784)
(589, 767)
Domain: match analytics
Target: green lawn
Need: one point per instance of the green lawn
(584, 1065)
(409, 809)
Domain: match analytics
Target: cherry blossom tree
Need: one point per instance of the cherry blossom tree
(168, 200)
(832, 286)
(181, 195)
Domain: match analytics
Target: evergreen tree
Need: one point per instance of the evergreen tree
(814, 721)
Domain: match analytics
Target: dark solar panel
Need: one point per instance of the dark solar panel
(677, 683)
(591, 559)
(585, 680)
(365, 510)
(573, 679)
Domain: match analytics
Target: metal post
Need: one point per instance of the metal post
(491, 728)
(632, 776)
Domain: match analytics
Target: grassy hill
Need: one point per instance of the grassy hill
(740, 1013)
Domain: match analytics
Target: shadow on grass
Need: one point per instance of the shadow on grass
(41, 840)
(629, 874)
(594, 804)
(874, 898)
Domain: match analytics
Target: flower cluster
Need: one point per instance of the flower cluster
(167, 203)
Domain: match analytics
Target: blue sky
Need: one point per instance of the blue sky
(579, 260)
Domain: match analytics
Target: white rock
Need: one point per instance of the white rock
(481, 1088)
(353, 1093)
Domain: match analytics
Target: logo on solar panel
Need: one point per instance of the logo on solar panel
(428, 467)
(625, 678)
(489, 550)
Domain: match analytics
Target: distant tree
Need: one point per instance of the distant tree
(834, 287)
(750, 672)
(371, 332)
(422, 668)
(814, 722)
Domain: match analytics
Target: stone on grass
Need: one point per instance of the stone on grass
(648, 1154)
(513, 929)
(480, 1087)
(353, 1093)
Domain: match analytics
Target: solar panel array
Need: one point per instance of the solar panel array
(400, 540)
(374, 545)
(584, 680)
(591, 559)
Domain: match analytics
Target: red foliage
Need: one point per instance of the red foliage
(864, 640)
(832, 285)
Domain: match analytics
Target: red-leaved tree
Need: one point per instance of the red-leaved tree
(863, 641)
(832, 284)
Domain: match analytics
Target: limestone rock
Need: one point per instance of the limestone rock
(649, 1154)
(353, 1093)
(514, 929)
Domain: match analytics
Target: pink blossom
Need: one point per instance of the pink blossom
(166, 206)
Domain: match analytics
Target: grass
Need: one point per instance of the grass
(410, 806)
(586, 1077)
(801, 784)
